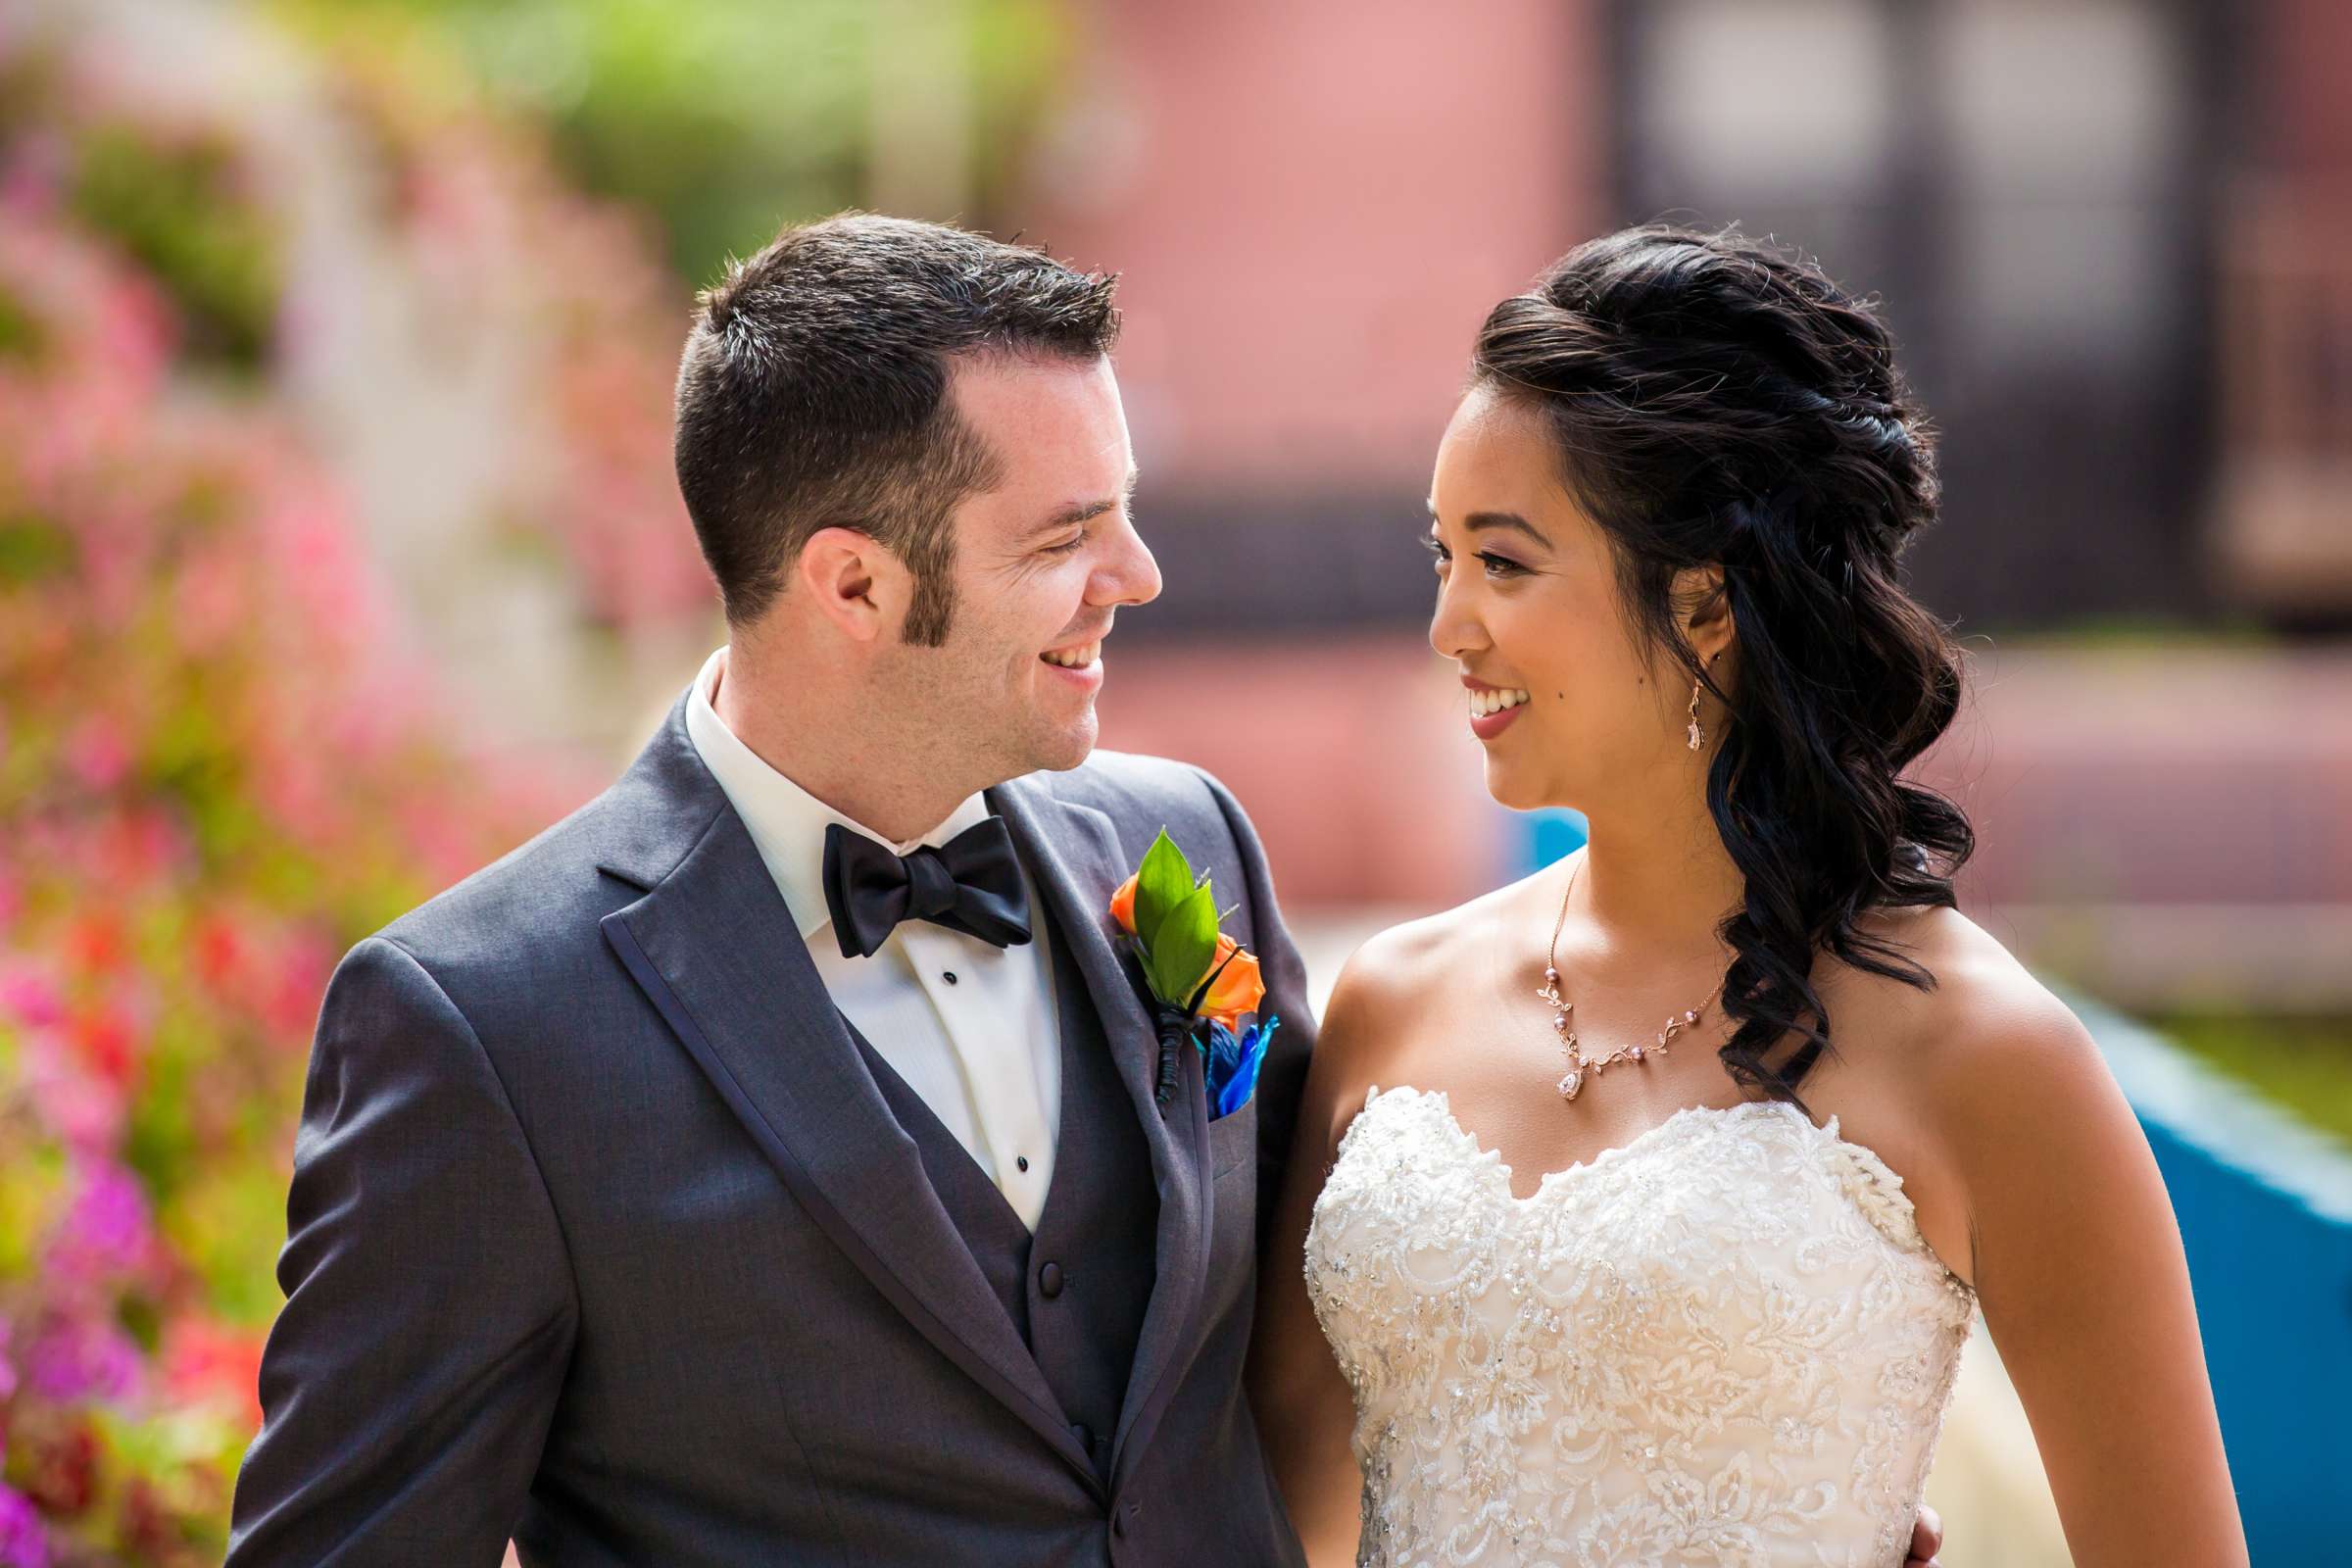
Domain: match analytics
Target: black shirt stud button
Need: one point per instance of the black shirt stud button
(949, 975)
(1021, 1161)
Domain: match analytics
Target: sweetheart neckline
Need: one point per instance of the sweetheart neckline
(1884, 1177)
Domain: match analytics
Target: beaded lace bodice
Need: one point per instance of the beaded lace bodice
(1725, 1343)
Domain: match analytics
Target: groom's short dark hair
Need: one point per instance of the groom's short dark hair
(812, 394)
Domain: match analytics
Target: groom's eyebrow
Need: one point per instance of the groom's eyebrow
(1484, 521)
(1084, 510)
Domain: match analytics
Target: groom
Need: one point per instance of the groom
(764, 1163)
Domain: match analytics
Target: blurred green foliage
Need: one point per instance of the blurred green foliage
(178, 211)
(2303, 1064)
(19, 334)
(723, 119)
(2121, 632)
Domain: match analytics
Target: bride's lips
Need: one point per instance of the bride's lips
(1486, 718)
(1493, 725)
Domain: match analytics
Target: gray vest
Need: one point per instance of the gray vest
(1078, 1288)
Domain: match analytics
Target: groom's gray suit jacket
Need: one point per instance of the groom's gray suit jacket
(607, 1235)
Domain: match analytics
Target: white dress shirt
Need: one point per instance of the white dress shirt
(971, 1027)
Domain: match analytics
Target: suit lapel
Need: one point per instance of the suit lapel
(714, 949)
(1075, 854)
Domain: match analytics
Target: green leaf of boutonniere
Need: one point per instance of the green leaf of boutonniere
(1186, 941)
(1162, 882)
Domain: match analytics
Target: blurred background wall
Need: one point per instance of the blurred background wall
(338, 547)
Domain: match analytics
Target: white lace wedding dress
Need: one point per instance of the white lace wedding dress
(1725, 1343)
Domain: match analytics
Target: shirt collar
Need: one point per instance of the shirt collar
(786, 822)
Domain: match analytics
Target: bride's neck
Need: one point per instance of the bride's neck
(1660, 883)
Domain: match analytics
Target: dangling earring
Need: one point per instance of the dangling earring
(1698, 736)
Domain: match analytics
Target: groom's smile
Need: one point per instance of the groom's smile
(1078, 666)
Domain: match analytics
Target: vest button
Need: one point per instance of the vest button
(1084, 1434)
(1048, 1280)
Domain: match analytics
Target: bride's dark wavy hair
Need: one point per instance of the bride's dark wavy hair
(1718, 402)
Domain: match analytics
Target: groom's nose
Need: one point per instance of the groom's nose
(1128, 573)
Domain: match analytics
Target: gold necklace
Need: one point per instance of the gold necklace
(1578, 1063)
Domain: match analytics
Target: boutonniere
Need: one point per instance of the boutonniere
(1200, 981)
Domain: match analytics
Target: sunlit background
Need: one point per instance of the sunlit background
(339, 550)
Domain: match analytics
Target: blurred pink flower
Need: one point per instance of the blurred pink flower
(99, 752)
(73, 1360)
(23, 1542)
(107, 1233)
(31, 997)
(79, 1110)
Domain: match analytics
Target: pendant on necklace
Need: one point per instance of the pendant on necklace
(1572, 1083)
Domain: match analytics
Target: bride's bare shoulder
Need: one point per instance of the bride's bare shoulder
(1385, 1003)
(1978, 985)
(1404, 960)
(1967, 1055)
(1388, 989)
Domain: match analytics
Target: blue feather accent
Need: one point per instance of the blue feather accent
(1233, 1065)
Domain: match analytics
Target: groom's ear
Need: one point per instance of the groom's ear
(854, 582)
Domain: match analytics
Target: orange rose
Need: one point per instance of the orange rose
(1123, 904)
(1238, 990)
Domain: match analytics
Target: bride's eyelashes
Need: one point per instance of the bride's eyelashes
(1498, 567)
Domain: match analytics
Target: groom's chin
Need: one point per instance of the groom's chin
(1067, 745)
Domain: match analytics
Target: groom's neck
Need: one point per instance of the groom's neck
(816, 727)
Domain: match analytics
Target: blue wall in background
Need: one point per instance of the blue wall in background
(2274, 1286)
(1545, 837)
(2265, 1205)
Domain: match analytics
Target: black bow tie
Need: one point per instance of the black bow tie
(970, 884)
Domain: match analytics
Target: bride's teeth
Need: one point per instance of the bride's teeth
(1484, 703)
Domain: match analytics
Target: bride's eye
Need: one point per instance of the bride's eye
(1498, 567)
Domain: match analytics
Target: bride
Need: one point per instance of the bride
(1567, 1286)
